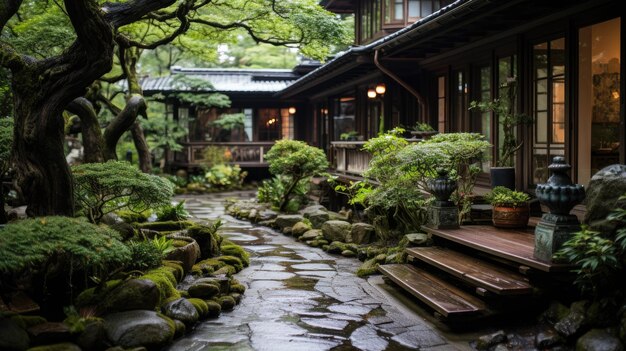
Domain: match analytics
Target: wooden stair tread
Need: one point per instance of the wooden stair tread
(477, 272)
(515, 245)
(442, 296)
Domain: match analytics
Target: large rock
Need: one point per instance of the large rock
(266, 215)
(139, 328)
(603, 194)
(12, 337)
(417, 239)
(598, 340)
(310, 235)
(312, 209)
(361, 233)
(187, 254)
(134, 294)
(181, 310)
(486, 341)
(317, 218)
(336, 230)
(203, 290)
(49, 333)
(93, 337)
(283, 221)
(546, 338)
(574, 321)
(299, 228)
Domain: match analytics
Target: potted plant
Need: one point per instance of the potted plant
(349, 136)
(510, 207)
(504, 108)
(423, 130)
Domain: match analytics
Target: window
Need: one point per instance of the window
(287, 124)
(548, 106)
(247, 123)
(343, 119)
(507, 68)
(441, 104)
(370, 13)
(405, 11)
(269, 124)
(459, 101)
(599, 92)
(481, 120)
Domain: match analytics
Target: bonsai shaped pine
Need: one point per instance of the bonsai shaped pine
(504, 109)
(103, 188)
(295, 161)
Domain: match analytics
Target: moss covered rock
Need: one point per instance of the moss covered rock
(237, 288)
(201, 307)
(187, 252)
(203, 290)
(237, 251)
(182, 310)
(65, 346)
(134, 294)
(310, 235)
(348, 253)
(207, 266)
(207, 239)
(92, 296)
(215, 309)
(232, 261)
(93, 336)
(336, 230)
(176, 268)
(227, 302)
(12, 336)
(139, 328)
(283, 221)
(165, 282)
(300, 228)
(336, 247)
(368, 267)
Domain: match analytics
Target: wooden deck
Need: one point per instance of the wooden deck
(443, 297)
(474, 271)
(516, 245)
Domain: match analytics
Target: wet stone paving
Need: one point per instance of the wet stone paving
(301, 298)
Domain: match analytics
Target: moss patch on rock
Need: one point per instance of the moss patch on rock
(215, 309)
(93, 296)
(237, 251)
(200, 306)
(165, 281)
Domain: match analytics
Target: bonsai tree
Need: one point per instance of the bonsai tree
(103, 188)
(504, 109)
(295, 162)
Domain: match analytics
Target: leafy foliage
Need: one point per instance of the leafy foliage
(273, 190)
(508, 119)
(230, 121)
(163, 244)
(599, 257)
(6, 142)
(295, 161)
(173, 212)
(62, 243)
(423, 127)
(144, 255)
(503, 196)
(102, 188)
(224, 176)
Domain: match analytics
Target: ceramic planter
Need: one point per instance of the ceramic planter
(510, 217)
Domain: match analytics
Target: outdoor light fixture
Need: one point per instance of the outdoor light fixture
(380, 89)
(292, 110)
(371, 93)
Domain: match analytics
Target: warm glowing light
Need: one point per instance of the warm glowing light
(292, 110)
(371, 93)
(271, 121)
(381, 89)
(615, 95)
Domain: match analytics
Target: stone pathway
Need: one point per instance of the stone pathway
(301, 298)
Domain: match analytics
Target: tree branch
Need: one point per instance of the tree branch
(8, 8)
(135, 106)
(113, 79)
(247, 28)
(93, 141)
(121, 14)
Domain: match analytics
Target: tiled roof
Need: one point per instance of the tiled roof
(226, 80)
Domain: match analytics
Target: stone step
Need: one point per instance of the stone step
(446, 299)
(476, 272)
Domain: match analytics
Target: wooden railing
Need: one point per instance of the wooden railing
(348, 157)
(247, 154)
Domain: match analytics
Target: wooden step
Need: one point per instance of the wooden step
(474, 271)
(514, 245)
(443, 297)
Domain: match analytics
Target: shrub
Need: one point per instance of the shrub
(144, 255)
(599, 257)
(173, 212)
(295, 161)
(272, 191)
(224, 176)
(59, 246)
(102, 188)
(503, 196)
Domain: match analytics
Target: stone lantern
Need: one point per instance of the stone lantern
(560, 195)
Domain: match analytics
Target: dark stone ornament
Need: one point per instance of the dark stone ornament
(443, 213)
(560, 195)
